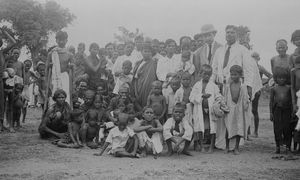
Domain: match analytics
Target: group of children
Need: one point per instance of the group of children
(179, 110)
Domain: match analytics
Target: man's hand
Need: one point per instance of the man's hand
(295, 108)
(58, 115)
(249, 89)
(206, 95)
(61, 135)
(271, 117)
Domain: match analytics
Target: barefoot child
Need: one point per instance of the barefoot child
(237, 99)
(76, 119)
(29, 78)
(149, 133)
(123, 140)
(157, 101)
(18, 104)
(94, 118)
(41, 83)
(10, 79)
(281, 109)
(203, 96)
(178, 131)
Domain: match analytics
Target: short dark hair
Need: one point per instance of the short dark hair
(295, 34)
(94, 45)
(206, 66)
(61, 35)
(169, 41)
(236, 68)
(231, 27)
(57, 93)
(280, 72)
(281, 40)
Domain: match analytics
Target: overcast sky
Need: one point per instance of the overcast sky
(268, 20)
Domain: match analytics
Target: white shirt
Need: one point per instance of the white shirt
(117, 138)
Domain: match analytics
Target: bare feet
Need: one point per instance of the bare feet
(197, 147)
(170, 153)
(12, 130)
(277, 150)
(210, 150)
(185, 152)
(236, 152)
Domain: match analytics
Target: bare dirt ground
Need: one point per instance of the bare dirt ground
(24, 156)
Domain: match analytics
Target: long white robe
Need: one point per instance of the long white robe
(196, 99)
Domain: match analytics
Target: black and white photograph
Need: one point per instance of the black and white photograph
(149, 89)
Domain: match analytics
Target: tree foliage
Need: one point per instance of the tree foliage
(30, 20)
(126, 35)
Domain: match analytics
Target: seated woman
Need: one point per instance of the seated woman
(55, 122)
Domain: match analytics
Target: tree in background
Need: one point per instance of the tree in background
(126, 35)
(31, 22)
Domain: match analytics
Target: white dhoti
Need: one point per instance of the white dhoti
(59, 80)
(155, 142)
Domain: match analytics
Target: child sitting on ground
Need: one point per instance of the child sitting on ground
(149, 132)
(157, 101)
(94, 118)
(76, 119)
(123, 140)
(178, 131)
(124, 77)
(281, 109)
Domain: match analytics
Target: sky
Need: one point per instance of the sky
(268, 20)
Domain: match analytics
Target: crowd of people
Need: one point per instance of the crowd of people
(145, 96)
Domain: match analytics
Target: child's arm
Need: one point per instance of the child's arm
(149, 101)
(271, 103)
(12, 41)
(141, 128)
(103, 149)
(293, 92)
(70, 130)
(159, 127)
(136, 143)
(164, 105)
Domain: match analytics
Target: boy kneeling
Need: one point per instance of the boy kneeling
(177, 130)
(123, 140)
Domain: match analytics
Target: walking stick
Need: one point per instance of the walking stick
(71, 85)
(49, 75)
